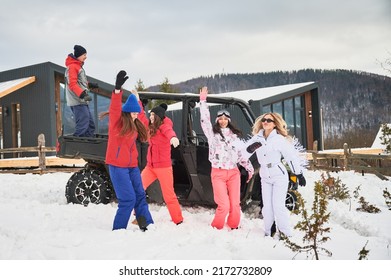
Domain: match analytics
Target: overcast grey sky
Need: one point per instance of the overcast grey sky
(180, 40)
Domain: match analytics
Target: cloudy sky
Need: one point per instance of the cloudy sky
(181, 40)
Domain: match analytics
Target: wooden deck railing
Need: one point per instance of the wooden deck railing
(37, 164)
(377, 164)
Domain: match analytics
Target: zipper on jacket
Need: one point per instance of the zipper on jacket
(293, 168)
(281, 169)
(130, 152)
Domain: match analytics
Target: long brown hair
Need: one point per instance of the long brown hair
(154, 126)
(217, 129)
(128, 126)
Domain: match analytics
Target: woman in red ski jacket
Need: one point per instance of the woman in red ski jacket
(159, 165)
(122, 157)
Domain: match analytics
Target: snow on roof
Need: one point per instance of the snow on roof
(262, 93)
(10, 86)
(254, 94)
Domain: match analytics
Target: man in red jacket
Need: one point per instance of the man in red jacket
(76, 92)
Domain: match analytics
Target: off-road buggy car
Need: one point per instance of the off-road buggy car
(191, 166)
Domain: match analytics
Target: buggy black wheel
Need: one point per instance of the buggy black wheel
(291, 200)
(89, 186)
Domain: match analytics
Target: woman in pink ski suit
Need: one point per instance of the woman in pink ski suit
(224, 158)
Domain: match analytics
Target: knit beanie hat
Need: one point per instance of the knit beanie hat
(131, 105)
(160, 110)
(79, 50)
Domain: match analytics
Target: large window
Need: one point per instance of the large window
(292, 110)
(103, 103)
(98, 105)
(289, 115)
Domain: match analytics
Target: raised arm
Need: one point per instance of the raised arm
(205, 114)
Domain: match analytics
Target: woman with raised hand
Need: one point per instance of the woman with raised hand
(122, 157)
(224, 157)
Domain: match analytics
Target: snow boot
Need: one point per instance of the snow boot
(142, 223)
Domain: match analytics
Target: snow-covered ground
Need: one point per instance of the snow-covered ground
(36, 223)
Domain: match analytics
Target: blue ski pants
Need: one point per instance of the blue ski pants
(130, 194)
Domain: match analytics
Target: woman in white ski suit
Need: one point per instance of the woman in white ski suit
(272, 143)
(224, 158)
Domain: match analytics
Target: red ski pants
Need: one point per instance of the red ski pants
(226, 192)
(166, 180)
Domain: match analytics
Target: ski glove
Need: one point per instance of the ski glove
(302, 181)
(93, 85)
(251, 148)
(174, 142)
(85, 96)
(121, 79)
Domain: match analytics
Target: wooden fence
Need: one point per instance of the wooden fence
(40, 164)
(377, 164)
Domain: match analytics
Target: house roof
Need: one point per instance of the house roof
(261, 93)
(13, 85)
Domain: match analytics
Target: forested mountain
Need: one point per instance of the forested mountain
(354, 103)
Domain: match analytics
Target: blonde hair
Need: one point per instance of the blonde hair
(280, 124)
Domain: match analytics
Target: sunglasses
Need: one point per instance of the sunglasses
(267, 120)
(223, 112)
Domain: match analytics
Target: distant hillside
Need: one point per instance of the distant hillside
(354, 103)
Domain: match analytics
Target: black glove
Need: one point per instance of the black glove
(302, 181)
(93, 85)
(121, 79)
(251, 149)
(85, 96)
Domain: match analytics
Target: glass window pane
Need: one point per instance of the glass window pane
(68, 120)
(299, 127)
(266, 109)
(103, 106)
(298, 103)
(289, 116)
(277, 107)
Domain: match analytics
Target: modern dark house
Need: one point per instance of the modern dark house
(32, 102)
(297, 103)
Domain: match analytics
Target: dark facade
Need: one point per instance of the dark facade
(38, 107)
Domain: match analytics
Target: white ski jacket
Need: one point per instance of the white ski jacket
(275, 148)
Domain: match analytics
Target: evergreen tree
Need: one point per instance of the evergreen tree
(363, 254)
(386, 137)
(140, 85)
(314, 225)
(165, 86)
